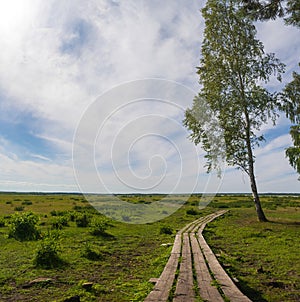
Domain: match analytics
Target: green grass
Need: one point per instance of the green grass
(264, 257)
(120, 261)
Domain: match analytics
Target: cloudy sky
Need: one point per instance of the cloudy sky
(92, 95)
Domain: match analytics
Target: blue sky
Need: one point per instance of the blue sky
(69, 64)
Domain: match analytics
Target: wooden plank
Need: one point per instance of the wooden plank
(165, 281)
(184, 291)
(228, 287)
(210, 218)
(185, 284)
(177, 245)
(207, 291)
(193, 228)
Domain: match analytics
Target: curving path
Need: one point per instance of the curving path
(193, 269)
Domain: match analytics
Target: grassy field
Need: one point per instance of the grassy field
(263, 257)
(120, 260)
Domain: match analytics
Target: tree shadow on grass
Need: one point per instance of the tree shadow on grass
(291, 223)
(48, 263)
(251, 293)
(103, 235)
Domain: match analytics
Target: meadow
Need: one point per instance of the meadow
(100, 259)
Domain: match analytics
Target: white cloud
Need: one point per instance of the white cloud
(284, 41)
(58, 56)
(272, 170)
(26, 175)
(280, 143)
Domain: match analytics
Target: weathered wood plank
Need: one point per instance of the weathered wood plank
(164, 284)
(228, 287)
(185, 284)
(207, 291)
(194, 227)
(177, 245)
(185, 245)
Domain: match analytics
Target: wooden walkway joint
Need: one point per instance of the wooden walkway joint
(198, 271)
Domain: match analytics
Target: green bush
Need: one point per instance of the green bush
(53, 213)
(192, 212)
(2, 222)
(91, 254)
(82, 220)
(166, 230)
(27, 203)
(23, 226)
(19, 208)
(58, 213)
(99, 226)
(72, 215)
(59, 222)
(47, 255)
(77, 208)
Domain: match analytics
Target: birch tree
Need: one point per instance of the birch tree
(232, 70)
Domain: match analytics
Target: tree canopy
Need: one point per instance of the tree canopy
(266, 10)
(290, 101)
(291, 106)
(232, 67)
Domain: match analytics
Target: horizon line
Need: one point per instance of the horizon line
(139, 193)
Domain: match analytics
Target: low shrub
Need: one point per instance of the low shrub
(19, 208)
(27, 203)
(72, 216)
(82, 220)
(47, 255)
(223, 206)
(99, 226)
(24, 226)
(166, 230)
(77, 208)
(192, 212)
(58, 213)
(59, 222)
(53, 213)
(2, 222)
(91, 254)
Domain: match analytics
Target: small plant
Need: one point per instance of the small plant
(77, 208)
(23, 226)
(166, 230)
(82, 220)
(53, 213)
(99, 226)
(19, 208)
(27, 203)
(2, 222)
(47, 255)
(59, 222)
(58, 213)
(91, 254)
(72, 216)
(192, 212)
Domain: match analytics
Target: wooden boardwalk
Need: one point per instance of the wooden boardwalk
(193, 269)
